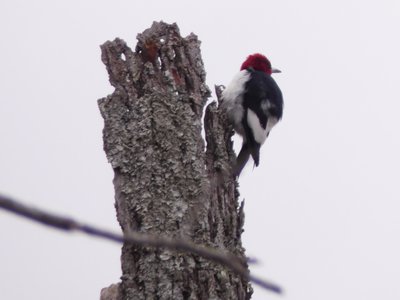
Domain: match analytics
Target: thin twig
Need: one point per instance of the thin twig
(139, 239)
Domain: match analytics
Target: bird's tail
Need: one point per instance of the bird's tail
(244, 156)
(242, 159)
(255, 154)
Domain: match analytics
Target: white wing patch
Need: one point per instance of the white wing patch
(260, 134)
(271, 123)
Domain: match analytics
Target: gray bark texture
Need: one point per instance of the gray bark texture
(166, 181)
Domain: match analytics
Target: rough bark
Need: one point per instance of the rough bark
(165, 182)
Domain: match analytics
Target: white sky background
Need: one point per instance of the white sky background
(322, 210)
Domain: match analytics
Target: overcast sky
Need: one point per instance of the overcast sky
(322, 210)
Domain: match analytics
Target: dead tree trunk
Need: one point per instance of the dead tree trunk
(165, 182)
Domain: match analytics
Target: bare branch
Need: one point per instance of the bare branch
(138, 239)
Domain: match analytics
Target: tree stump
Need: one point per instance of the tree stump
(166, 181)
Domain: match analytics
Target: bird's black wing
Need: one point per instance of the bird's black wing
(262, 88)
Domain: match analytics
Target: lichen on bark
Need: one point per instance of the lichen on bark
(166, 181)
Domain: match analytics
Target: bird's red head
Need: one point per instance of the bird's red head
(258, 62)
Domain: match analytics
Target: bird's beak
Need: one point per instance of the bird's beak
(276, 70)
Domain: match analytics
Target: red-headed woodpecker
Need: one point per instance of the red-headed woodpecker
(253, 103)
